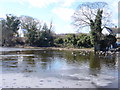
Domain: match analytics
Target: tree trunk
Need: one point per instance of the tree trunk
(96, 47)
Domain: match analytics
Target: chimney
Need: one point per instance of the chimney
(115, 26)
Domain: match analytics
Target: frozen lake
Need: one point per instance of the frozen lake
(41, 68)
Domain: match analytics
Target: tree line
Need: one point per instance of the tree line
(41, 34)
(38, 34)
(35, 34)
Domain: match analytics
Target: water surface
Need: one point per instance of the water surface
(67, 65)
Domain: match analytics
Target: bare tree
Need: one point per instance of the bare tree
(86, 14)
(96, 16)
(28, 22)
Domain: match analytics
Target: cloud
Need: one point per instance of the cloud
(67, 28)
(33, 3)
(64, 13)
(2, 16)
(45, 3)
(68, 3)
(42, 3)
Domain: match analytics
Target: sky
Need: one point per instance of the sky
(57, 11)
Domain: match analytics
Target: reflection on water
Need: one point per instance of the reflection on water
(55, 63)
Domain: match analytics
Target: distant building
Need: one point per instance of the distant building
(112, 31)
(118, 37)
(22, 32)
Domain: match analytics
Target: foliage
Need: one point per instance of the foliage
(73, 40)
(107, 42)
(70, 40)
(96, 27)
(45, 38)
(31, 25)
(84, 40)
(10, 27)
(37, 34)
(110, 39)
(58, 41)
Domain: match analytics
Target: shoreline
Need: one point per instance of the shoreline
(56, 48)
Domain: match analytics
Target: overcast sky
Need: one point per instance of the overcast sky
(59, 11)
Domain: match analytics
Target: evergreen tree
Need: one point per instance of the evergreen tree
(9, 30)
(96, 29)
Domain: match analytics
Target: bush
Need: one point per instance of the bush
(58, 41)
(72, 40)
(84, 40)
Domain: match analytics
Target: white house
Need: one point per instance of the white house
(107, 31)
(113, 31)
(22, 32)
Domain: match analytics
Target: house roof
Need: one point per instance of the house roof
(114, 30)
